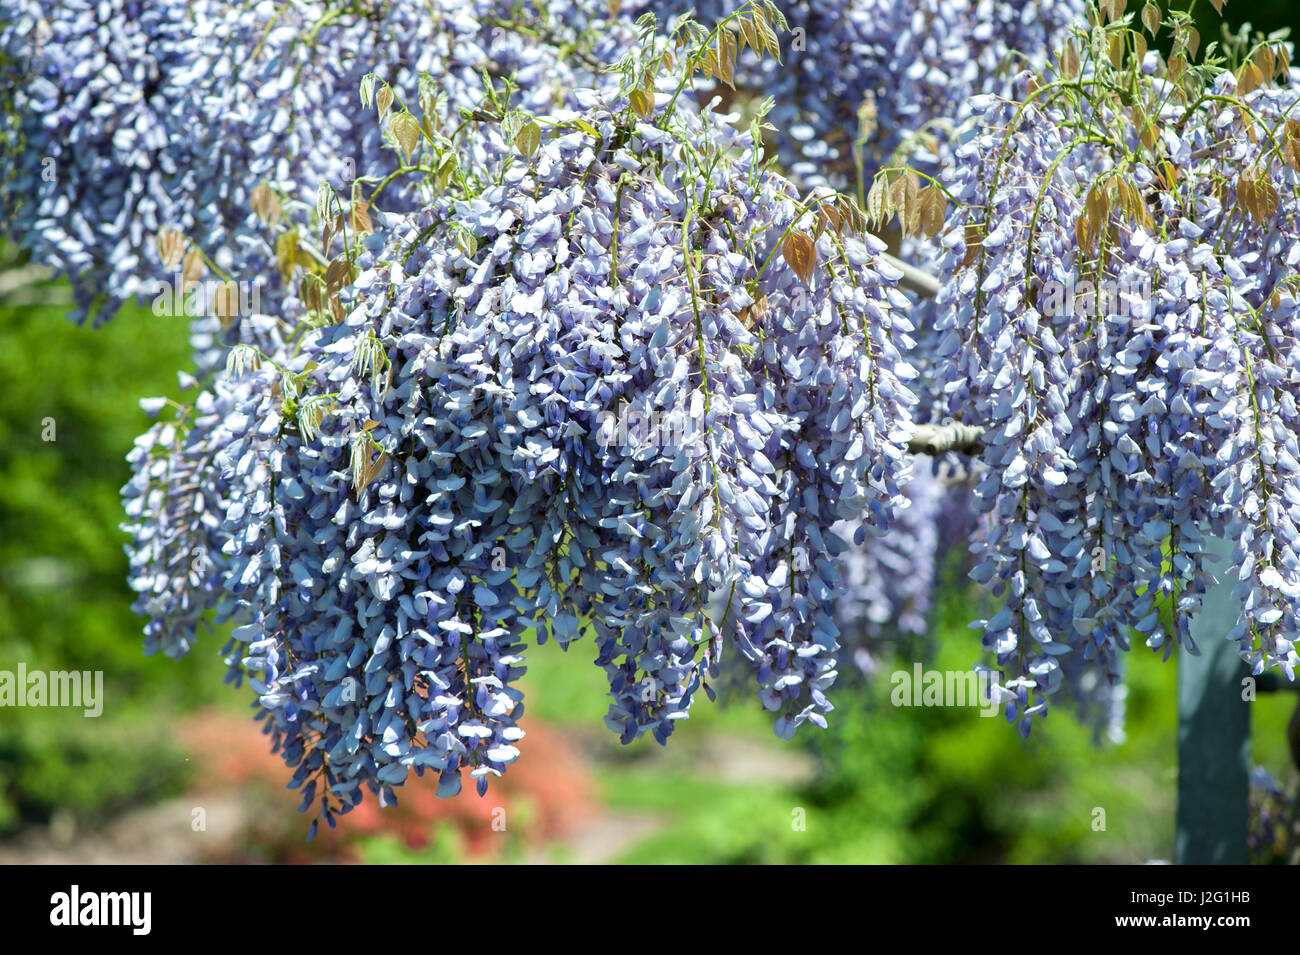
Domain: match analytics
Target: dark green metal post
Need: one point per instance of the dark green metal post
(1213, 735)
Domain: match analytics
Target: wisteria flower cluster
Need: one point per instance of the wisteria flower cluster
(1118, 316)
(863, 83)
(860, 86)
(549, 344)
(161, 141)
(86, 105)
(618, 380)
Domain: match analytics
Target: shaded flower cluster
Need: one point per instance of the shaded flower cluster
(889, 577)
(1271, 834)
(872, 82)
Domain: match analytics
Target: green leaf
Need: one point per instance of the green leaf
(931, 205)
(528, 139)
(265, 204)
(879, 204)
(242, 358)
(324, 192)
(406, 132)
(866, 119)
(767, 36)
(368, 89)
(749, 35)
(511, 123)
(286, 248)
(466, 242)
(1151, 18)
(642, 103)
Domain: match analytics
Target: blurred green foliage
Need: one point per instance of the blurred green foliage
(64, 602)
(923, 785)
(1263, 16)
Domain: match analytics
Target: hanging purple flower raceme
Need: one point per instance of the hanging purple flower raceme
(142, 133)
(90, 87)
(1120, 330)
(279, 98)
(596, 393)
